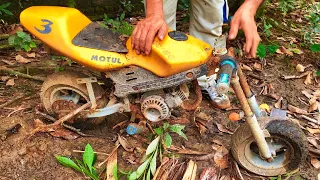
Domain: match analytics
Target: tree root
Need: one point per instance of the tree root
(11, 71)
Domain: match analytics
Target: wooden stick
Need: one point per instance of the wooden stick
(11, 101)
(310, 119)
(11, 71)
(315, 151)
(112, 152)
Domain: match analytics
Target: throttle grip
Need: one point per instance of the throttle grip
(228, 65)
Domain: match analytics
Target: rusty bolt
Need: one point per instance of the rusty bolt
(189, 75)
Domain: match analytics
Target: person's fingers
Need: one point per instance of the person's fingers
(256, 42)
(247, 29)
(150, 38)
(235, 25)
(137, 39)
(143, 36)
(163, 31)
(133, 36)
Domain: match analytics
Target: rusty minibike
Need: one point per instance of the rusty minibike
(267, 146)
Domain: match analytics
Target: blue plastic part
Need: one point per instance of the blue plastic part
(131, 130)
(230, 62)
(224, 78)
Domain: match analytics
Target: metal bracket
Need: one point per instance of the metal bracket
(88, 82)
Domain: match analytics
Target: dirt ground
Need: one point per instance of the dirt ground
(25, 157)
(33, 157)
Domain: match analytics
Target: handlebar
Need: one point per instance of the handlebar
(228, 66)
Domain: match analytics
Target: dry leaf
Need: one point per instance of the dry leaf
(31, 55)
(223, 129)
(217, 142)
(308, 79)
(225, 177)
(313, 141)
(221, 158)
(4, 78)
(60, 131)
(209, 174)
(111, 163)
(22, 60)
(10, 82)
(257, 66)
(278, 104)
(191, 170)
(314, 106)
(204, 116)
(8, 62)
(285, 51)
(186, 151)
(313, 131)
(315, 162)
(245, 67)
(124, 144)
(316, 93)
(307, 93)
(16, 29)
(300, 68)
(296, 110)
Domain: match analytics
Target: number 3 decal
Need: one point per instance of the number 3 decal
(47, 27)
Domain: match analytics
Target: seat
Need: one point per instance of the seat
(97, 37)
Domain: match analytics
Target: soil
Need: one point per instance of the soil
(33, 157)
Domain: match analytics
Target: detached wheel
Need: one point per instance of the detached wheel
(288, 145)
(61, 94)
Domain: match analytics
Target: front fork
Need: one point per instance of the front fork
(229, 68)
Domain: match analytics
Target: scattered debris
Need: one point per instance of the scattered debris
(233, 116)
(191, 171)
(208, 174)
(294, 109)
(300, 68)
(295, 77)
(13, 130)
(10, 82)
(22, 60)
(124, 144)
(313, 131)
(221, 158)
(315, 162)
(308, 79)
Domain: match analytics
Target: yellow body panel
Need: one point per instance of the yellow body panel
(57, 26)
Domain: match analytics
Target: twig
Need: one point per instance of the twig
(203, 158)
(310, 119)
(10, 71)
(112, 152)
(238, 170)
(78, 151)
(295, 77)
(11, 101)
(78, 131)
(315, 151)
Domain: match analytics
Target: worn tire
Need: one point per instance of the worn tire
(67, 79)
(281, 129)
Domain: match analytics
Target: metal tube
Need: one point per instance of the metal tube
(251, 120)
(248, 93)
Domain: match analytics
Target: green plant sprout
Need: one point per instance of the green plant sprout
(21, 40)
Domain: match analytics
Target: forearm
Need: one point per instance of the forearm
(154, 7)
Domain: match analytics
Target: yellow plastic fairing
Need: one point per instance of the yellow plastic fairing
(57, 27)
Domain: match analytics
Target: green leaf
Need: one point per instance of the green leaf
(153, 146)
(296, 50)
(115, 172)
(166, 125)
(318, 73)
(122, 16)
(21, 34)
(168, 140)
(177, 128)
(26, 47)
(159, 131)
(153, 164)
(149, 175)
(32, 44)
(133, 176)
(11, 40)
(261, 51)
(5, 5)
(7, 12)
(68, 163)
(315, 48)
(272, 48)
(143, 167)
(88, 157)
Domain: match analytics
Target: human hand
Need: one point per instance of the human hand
(145, 32)
(244, 19)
